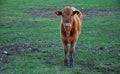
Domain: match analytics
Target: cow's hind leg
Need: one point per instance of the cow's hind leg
(65, 44)
(72, 53)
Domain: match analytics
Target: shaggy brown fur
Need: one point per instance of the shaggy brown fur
(70, 28)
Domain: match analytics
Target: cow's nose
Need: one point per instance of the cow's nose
(67, 21)
(67, 24)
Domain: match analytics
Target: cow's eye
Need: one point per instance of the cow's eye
(71, 14)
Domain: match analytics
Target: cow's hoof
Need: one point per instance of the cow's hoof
(71, 63)
(65, 63)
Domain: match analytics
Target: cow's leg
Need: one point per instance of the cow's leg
(72, 53)
(65, 44)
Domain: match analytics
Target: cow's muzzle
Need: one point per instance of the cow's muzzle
(68, 24)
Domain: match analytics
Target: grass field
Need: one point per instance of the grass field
(29, 32)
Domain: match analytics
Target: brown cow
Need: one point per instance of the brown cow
(70, 30)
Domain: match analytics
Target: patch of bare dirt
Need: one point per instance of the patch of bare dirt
(105, 68)
(41, 12)
(6, 53)
(87, 13)
(104, 49)
(17, 48)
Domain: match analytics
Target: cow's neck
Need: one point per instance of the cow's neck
(70, 32)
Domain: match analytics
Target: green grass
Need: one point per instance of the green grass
(98, 46)
(61, 3)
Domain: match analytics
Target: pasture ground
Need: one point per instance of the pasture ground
(29, 32)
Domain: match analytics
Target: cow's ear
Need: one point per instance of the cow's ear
(76, 12)
(58, 13)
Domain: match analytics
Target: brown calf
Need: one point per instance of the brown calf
(70, 27)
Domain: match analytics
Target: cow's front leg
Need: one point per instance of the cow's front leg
(65, 44)
(72, 53)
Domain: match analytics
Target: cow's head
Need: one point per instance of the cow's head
(67, 16)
